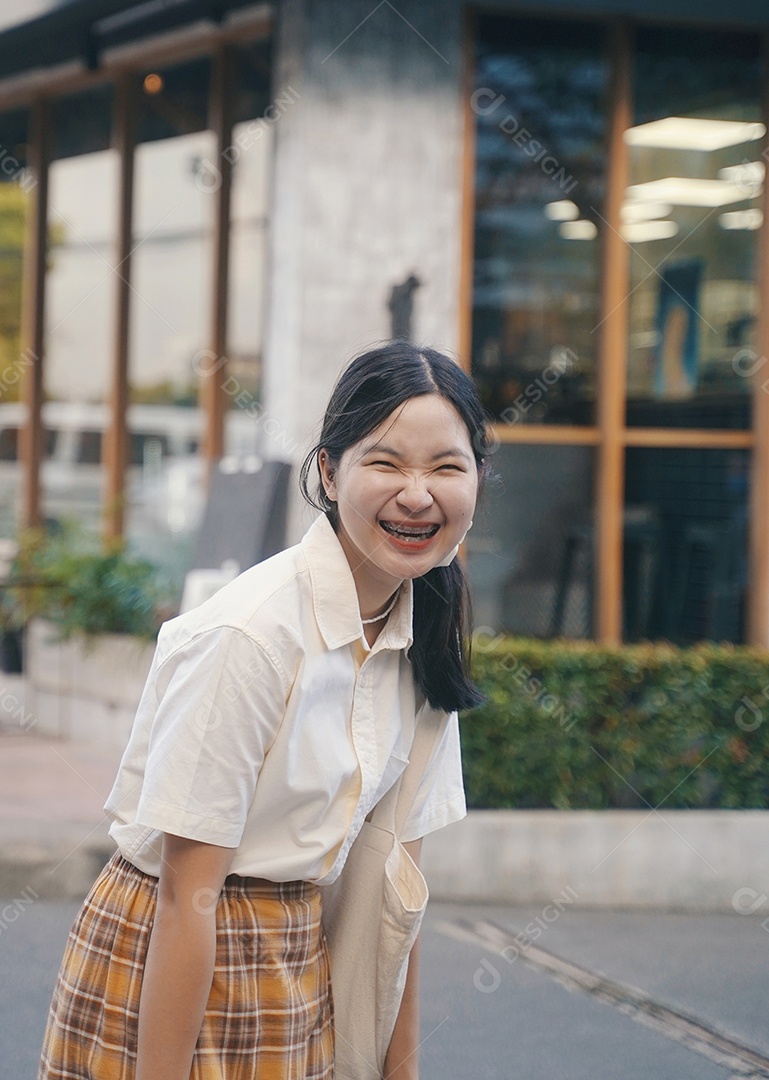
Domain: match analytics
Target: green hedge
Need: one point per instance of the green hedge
(575, 725)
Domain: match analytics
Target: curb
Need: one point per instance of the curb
(672, 860)
(60, 865)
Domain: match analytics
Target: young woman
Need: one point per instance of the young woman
(274, 718)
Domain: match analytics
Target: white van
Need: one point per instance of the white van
(164, 482)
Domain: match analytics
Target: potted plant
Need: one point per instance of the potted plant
(11, 636)
(92, 613)
(83, 587)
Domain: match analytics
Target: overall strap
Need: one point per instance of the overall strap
(393, 809)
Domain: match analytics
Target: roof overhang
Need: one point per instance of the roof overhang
(79, 32)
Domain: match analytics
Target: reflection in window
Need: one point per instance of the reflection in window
(80, 301)
(539, 99)
(15, 185)
(9, 444)
(89, 448)
(174, 213)
(685, 550)
(250, 154)
(529, 551)
(145, 448)
(690, 216)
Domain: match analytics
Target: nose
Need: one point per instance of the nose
(415, 496)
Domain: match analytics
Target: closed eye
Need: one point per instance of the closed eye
(457, 467)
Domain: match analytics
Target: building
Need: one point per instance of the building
(222, 197)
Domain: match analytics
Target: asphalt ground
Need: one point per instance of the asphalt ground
(529, 1021)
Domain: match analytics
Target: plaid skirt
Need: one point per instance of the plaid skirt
(269, 1014)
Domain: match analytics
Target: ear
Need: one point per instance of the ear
(327, 475)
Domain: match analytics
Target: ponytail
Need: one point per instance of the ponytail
(441, 650)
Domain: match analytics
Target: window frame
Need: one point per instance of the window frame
(610, 434)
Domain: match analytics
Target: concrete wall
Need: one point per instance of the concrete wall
(84, 690)
(676, 860)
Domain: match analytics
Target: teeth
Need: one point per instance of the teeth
(407, 530)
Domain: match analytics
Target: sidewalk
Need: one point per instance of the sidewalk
(53, 830)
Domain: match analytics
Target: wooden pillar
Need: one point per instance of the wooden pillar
(758, 592)
(211, 391)
(612, 355)
(33, 313)
(115, 447)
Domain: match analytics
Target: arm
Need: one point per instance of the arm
(180, 958)
(402, 1061)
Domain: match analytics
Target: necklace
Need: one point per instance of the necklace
(378, 617)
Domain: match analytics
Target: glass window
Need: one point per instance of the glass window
(174, 214)
(9, 444)
(145, 447)
(685, 550)
(530, 549)
(250, 154)
(16, 184)
(540, 103)
(80, 303)
(690, 217)
(89, 447)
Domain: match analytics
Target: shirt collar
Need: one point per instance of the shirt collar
(335, 598)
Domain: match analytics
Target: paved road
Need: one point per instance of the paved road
(521, 1023)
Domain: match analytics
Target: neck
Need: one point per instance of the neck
(373, 595)
(374, 592)
(380, 614)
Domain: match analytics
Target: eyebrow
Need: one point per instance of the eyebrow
(453, 451)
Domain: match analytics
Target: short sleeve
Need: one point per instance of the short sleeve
(220, 702)
(440, 797)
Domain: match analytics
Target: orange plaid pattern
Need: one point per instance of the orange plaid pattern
(269, 1014)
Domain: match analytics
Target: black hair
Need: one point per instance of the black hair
(365, 394)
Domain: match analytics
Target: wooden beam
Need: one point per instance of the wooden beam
(612, 354)
(211, 387)
(115, 446)
(757, 630)
(554, 434)
(575, 435)
(33, 313)
(693, 437)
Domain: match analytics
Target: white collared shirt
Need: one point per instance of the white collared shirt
(269, 725)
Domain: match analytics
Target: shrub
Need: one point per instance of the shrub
(581, 726)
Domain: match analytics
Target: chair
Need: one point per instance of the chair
(720, 549)
(642, 533)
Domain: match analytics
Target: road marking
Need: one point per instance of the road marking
(721, 1047)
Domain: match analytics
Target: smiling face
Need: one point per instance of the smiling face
(405, 493)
